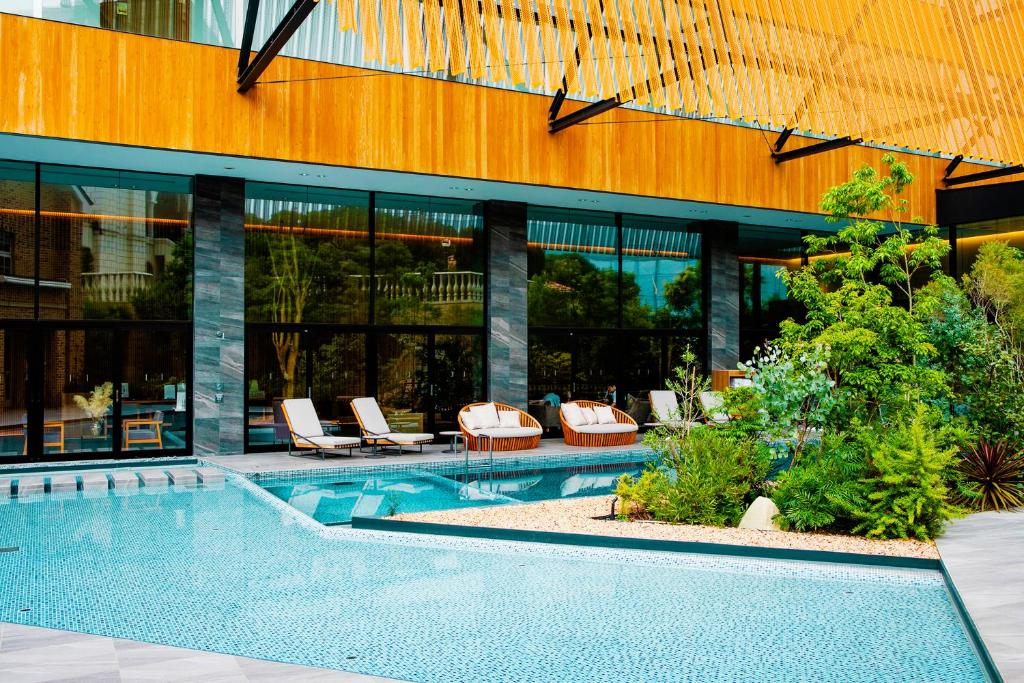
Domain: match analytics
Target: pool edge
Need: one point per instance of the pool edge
(989, 669)
(632, 543)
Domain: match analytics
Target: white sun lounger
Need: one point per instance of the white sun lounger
(376, 431)
(306, 431)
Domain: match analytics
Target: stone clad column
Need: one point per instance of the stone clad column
(219, 315)
(505, 223)
(721, 241)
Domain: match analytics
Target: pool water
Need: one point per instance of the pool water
(237, 571)
(335, 499)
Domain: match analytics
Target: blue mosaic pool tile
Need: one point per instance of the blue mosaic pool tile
(477, 464)
(238, 571)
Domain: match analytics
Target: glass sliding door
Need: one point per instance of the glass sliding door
(15, 392)
(154, 389)
(458, 376)
(275, 366)
(403, 380)
(338, 375)
(80, 391)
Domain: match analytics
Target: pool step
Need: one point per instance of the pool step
(98, 483)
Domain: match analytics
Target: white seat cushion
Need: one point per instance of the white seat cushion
(370, 415)
(605, 415)
(711, 403)
(406, 438)
(332, 441)
(485, 416)
(508, 418)
(467, 419)
(605, 429)
(573, 414)
(301, 416)
(508, 432)
(664, 405)
(589, 415)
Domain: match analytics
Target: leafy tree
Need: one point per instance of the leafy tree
(877, 349)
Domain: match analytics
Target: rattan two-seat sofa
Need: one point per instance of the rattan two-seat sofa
(620, 433)
(508, 438)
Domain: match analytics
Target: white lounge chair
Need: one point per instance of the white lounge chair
(712, 403)
(306, 431)
(376, 431)
(664, 409)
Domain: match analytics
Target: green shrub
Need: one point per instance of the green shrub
(824, 488)
(907, 493)
(705, 478)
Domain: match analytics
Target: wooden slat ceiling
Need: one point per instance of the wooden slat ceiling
(930, 75)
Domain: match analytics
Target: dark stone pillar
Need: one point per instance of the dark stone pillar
(219, 315)
(505, 223)
(723, 295)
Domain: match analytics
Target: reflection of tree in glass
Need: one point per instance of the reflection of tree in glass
(169, 294)
(568, 289)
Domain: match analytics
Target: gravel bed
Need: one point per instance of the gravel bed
(576, 515)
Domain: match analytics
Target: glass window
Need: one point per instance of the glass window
(429, 261)
(573, 267)
(307, 255)
(206, 21)
(114, 245)
(662, 284)
(764, 253)
(17, 253)
(970, 237)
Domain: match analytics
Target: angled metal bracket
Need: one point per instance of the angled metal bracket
(556, 104)
(783, 138)
(818, 148)
(580, 115)
(952, 166)
(250, 71)
(981, 175)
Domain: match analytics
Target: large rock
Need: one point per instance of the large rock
(760, 515)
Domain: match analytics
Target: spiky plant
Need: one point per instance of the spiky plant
(993, 475)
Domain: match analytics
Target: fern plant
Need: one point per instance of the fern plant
(992, 476)
(827, 485)
(908, 495)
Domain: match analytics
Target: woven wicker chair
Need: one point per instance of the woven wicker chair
(517, 443)
(597, 440)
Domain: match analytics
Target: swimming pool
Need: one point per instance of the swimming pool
(337, 497)
(238, 571)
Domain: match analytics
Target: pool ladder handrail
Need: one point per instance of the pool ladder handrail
(465, 447)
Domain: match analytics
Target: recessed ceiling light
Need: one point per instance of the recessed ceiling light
(303, 174)
(229, 168)
(320, 175)
(459, 188)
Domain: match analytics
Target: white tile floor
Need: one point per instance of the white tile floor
(35, 655)
(984, 555)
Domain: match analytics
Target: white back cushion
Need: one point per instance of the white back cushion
(605, 415)
(485, 416)
(467, 420)
(573, 414)
(370, 415)
(664, 404)
(589, 415)
(302, 416)
(508, 418)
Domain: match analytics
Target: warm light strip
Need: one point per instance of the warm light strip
(596, 249)
(1011, 236)
(821, 66)
(96, 216)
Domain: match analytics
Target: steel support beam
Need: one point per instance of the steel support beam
(818, 148)
(252, 9)
(277, 40)
(581, 115)
(952, 166)
(983, 175)
(780, 141)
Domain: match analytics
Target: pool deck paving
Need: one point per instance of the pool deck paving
(29, 654)
(984, 555)
(251, 463)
